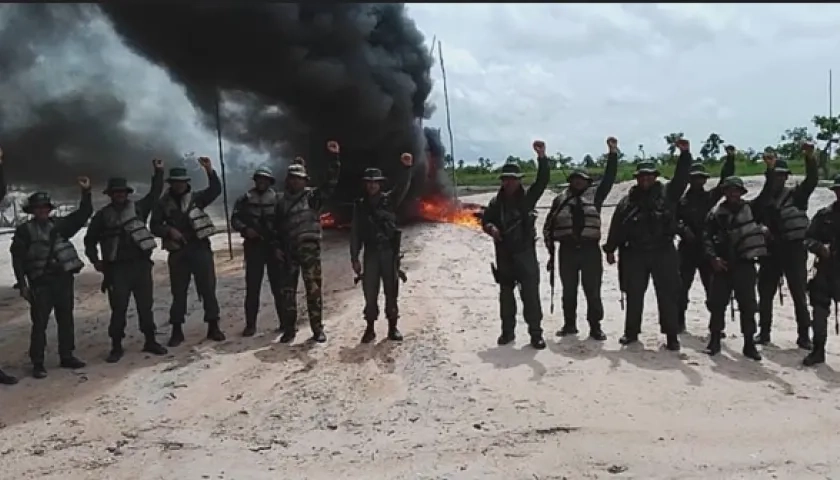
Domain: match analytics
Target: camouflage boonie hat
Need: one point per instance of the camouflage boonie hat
(698, 170)
(178, 174)
(116, 184)
(646, 168)
(38, 199)
(733, 182)
(373, 175)
(298, 171)
(580, 173)
(511, 170)
(264, 172)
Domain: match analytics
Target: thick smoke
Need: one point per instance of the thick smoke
(296, 75)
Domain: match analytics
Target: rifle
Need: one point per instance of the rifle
(732, 306)
(551, 265)
(781, 293)
(621, 276)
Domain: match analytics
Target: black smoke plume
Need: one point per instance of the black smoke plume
(292, 76)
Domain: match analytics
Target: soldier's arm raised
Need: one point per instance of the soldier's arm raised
(325, 191)
(68, 226)
(726, 170)
(678, 184)
(214, 185)
(812, 177)
(536, 190)
(144, 205)
(403, 180)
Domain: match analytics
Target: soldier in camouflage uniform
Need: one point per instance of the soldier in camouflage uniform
(299, 221)
(375, 229)
(253, 216)
(45, 263)
(823, 240)
(510, 219)
(119, 230)
(5, 379)
(180, 220)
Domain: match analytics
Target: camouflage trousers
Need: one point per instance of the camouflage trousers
(303, 260)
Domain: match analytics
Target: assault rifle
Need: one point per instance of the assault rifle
(551, 265)
(396, 245)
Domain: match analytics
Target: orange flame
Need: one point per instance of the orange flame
(450, 211)
(328, 220)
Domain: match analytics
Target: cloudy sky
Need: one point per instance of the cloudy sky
(574, 74)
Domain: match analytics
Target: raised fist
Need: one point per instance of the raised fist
(539, 147)
(808, 147)
(205, 163)
(683, 145)
(406, 159)
(84, 183)
(299, 161)
(157, 164)
(333, 146)
(612, 143)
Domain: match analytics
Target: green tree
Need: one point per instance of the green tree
(588, 161)
(790, 143)
(561, 160)
(711, 148)
(671, 141)
(461, 164)
(827, 126)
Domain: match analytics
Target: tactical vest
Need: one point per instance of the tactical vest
(381, 221)
(200, 222)
(693, 210)
(562, 221)
(516, 235)
(124, 222)
(744, 236)
(262, 206)
(49, 253)
(793, 222)
(301, 222)
(650, 222)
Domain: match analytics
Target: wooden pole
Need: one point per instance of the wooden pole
(448, 120)
(222, 161)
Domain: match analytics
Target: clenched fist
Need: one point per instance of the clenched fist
(333, 146)
(205, 163)
(683, 145)
(84, 183)
(539, 148)
(157, 164)
(407, 159)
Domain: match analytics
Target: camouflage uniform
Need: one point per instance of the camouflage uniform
(257, 211)
(192, 257)
(374, 228)
(45, 261)
(127, 246)
(299, 224)
(516, 255)
(824, 230)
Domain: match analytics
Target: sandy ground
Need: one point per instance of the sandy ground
(445, 404)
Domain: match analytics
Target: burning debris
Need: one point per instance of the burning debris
(447, 210)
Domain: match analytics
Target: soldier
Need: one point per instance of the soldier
(692, 211)
(375, 229)
(733, 241)
(783, 210)
(119, 230)
(510, 219)
(574, 222)
(5, 379)
(822, 240)
(180, 220)
(299, 218)
(45, 263)
(643, 228)
(254, 216)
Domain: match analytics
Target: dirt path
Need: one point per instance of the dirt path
(446, 404)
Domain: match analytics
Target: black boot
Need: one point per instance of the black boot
(177, 336)
(628, 339)
(569, 328)
(506, 338)
(370, 332)
(72, 363)
(595, 332)
(6, 379)
(538, 342)
(288, 335)
(802, 339)
(749, 350)
(763, 336)
(713, 348)
(214, 332)
(393, 333)
(116, 351)
(318, 336)
(817, 355)
(250, 329)
(673, 342)
(38, 370)
(152, 346)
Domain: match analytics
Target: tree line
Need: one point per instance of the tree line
(788, 147)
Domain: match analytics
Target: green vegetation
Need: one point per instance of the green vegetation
(748, 161)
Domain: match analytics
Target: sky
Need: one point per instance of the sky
(574, 74)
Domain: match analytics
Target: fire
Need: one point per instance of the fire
(450, 211)
(328, 220)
